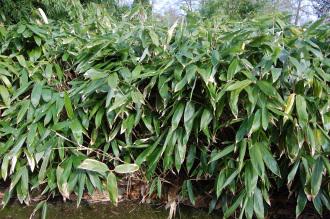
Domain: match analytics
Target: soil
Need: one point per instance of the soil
(136, 191)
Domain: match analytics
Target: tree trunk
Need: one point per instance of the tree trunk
(298, 12)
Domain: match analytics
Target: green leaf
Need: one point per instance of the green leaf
(68, 105)
(6, 81)
(297, 64)
(142, 156)
(238, 85)
(44, 211)
(301, 110)
(94, 74)
(40, 205)
(233, 69)
(113, 80)
(190, 72)
(205, 119)
(190, 192)
(189, 112)
(43, 169)
(126, 168)
(137, 71)
(289, 106)
(191, 157)
(249, 207)
(25, 181)
(119, 101)
(326, 163)
(46, 95)
(154, 37)
(242, 150)
(256, 122)
(81, 186)
(257, 159)
(171, 31)
(244, 129)
(94, 165)
(180, 85)
(137, 97)
(222, 153)
(59, 72)
(258, 204)
(36, 93)
(21, 61)
(180, 151)
(276, 73)
(233, 101)
(267, 88)
(21, 28)
(264, 118)
(48, 71)
(230, 179)
(293, 172)
(215, 57)
(301, 203)
(6, 198)
(99, 116)
(112, 188)
(220, 182)
(177, 115)
(316, 179)
(77, 130)
(5, 95)
(237, 202)
(269, 159)
(4, 167)
(318, 205)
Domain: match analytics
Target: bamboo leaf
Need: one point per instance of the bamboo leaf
(36, 94)
(258, 205)
(316, 179)
(21, 61)
(126, 168)
(190, 192)
(239, 85)
(113, 80)
(301, 108)
(233, 69)
(94, 165)
(68, 106)
(301, 203)
(266, 88)
(222, 153)
(77, 130)
(289, 106)
(205, 119)
(171, 31)
(154, 37)
(112, 188)
(5, 95)
(234, 206)
(269, 160)
(177, 115)
(257, 159)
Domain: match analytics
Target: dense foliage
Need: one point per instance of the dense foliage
(322, 7)
(242, 106)
(14, 11)
(234, 9)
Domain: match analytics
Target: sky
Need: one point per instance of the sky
(160, 5)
